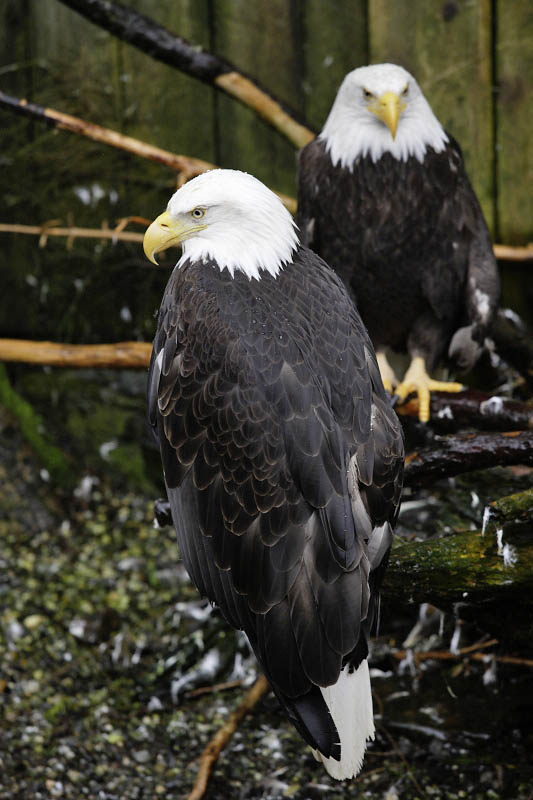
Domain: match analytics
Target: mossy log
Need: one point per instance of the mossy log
(485, 576)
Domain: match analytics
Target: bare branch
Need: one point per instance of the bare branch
(121, 354)
(159, 43)
(223, 736)
(72, 232)
(446, 655)
(507, 253)
(185, 166)
(108, 136)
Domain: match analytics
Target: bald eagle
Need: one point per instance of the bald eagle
(281, 454)
(385, 200)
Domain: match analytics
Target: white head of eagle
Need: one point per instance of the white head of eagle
(228, 217)
(380, 109)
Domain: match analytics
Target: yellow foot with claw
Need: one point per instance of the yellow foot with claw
(417, 380)
(387, 373)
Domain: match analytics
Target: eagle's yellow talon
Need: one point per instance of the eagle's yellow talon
(417, 380)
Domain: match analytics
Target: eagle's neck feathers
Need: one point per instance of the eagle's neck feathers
(350, 135)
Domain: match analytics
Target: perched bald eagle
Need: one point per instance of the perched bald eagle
(282, 457)
(384, 199)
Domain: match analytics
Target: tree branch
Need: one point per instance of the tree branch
(185, 166)
(108, 136)
(453, 455)
(119, 355)
(159, 43)
(72, 232)
(223, 736)
(505, 252)
(447, 655)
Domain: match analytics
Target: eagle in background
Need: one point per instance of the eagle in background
(281, 454)
(384, 199)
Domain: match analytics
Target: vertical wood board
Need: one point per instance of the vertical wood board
(163, 105)
(335, 42)
(259, 39)
(447, 47)
(514, 139)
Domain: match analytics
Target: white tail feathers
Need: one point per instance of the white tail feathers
(350, 705)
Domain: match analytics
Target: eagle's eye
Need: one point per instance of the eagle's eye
(405, 92)
(367, 95)
(198, 213)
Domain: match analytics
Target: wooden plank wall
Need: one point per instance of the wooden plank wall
(473, 59)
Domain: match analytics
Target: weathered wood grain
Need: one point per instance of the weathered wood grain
(259, 38)
(514, 69)
(334, 43)
(447, 47)
(165, 106)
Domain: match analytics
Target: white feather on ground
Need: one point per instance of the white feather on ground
(350, 705)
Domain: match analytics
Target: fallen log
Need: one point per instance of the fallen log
(453, 455)
(161, 44)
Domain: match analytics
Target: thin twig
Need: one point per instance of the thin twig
(73, 232)
(218, 687)
(465, 652)
(403, 759)
(223, 736)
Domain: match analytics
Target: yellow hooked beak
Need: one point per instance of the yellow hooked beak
(165, 232)
(388, 108)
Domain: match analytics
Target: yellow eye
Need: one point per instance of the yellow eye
(405, 91)
(367, 95)
(198, 213)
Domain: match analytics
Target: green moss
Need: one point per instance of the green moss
(31, 426)
(128, 460)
